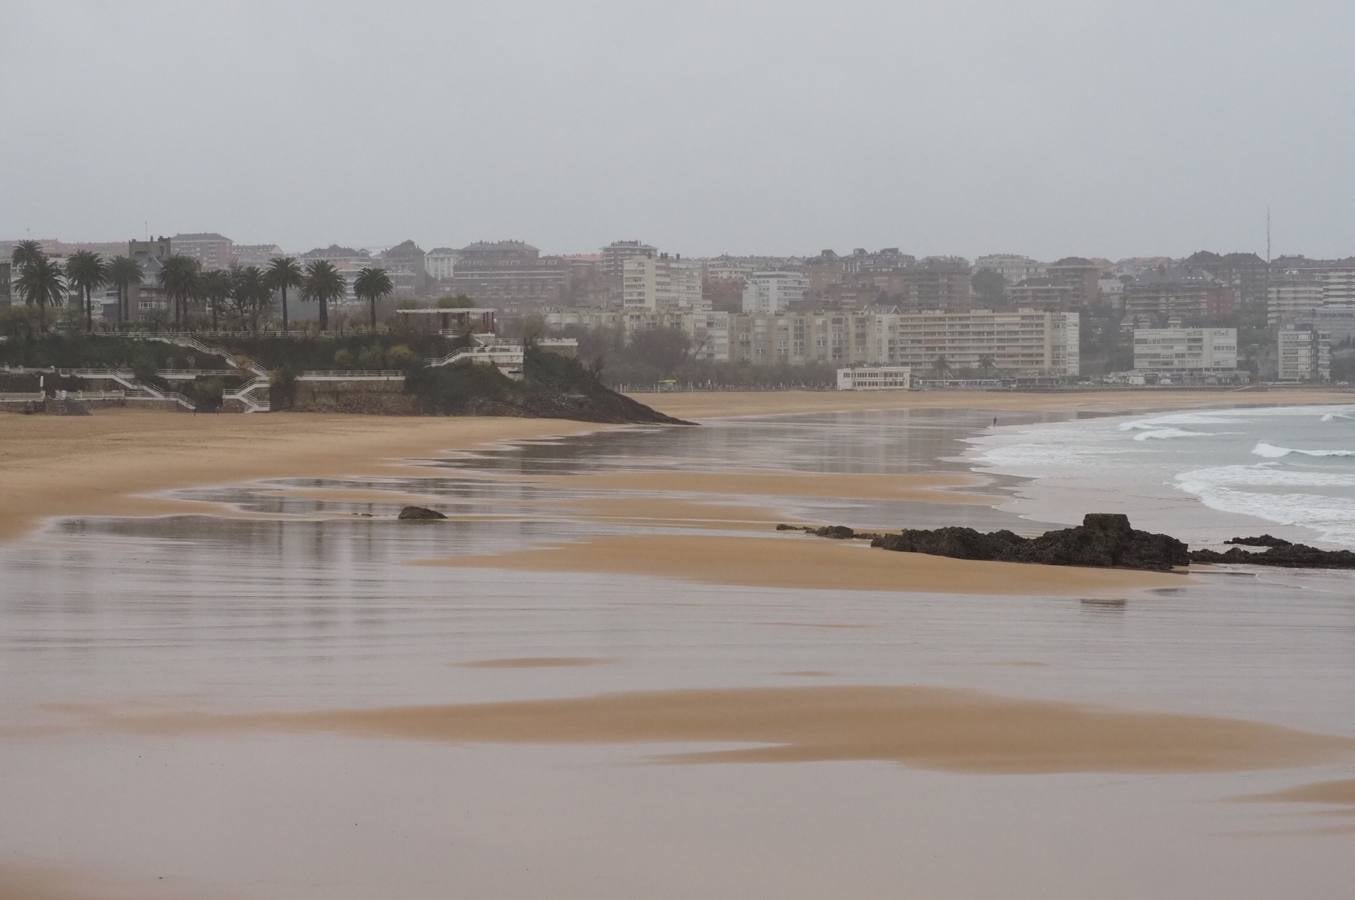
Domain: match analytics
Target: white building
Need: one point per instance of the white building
(1186, 351)
(440, 263)
(1025, 342)
(660, 284)
(875, 378)
(1338, 284)
(1304, 355)
(773, 292)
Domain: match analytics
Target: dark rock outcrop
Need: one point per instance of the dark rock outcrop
(1286, 556)
(1105, 540)
(420, 514)
(1265, 540)
(956, 542)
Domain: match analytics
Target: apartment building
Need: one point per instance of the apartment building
(1013, 268)
(1292, 297)
(875, 378)
(660, 282)
(1020, 342)
(615, 254)
(1044, 293)
(1337, 320)
(937, 282)
(1195, 352)
(256, 254)
(773, 292)
(1304, 354)
(1082, 275)
(1017, 342)
(147, 300)
(509, 274)
(211, 250)
(1176, 297)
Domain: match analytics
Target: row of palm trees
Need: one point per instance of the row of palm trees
(243, 291)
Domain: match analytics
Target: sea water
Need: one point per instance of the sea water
(1199, 474)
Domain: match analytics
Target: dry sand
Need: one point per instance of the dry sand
(96, 465)
(925, 727)
(702, 405)
(800, 561)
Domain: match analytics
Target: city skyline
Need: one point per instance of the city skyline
(1092, 128)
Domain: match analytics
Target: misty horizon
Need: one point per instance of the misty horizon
(1069, 128)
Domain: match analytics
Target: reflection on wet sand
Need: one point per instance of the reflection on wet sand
(1340, 793)
(931, 728)
(796, 561)
(535, 662)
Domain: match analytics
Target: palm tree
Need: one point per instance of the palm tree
(25, 253)
(123, 273)
(215, 287)
(283, 272)
(179, 278)
(987, 364)
(322, 284)
(85, 271)
(941, 366)
(250, 291)
(42, 283)
(373, 284)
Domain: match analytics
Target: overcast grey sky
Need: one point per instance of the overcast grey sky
(1049, 127)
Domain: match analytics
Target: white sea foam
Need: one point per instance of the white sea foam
(1270, 451)
(1251, 491)
(1162, 434)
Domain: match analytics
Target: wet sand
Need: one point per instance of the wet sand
(535, 662)
(1335, 793)
(929, 728)
(929, 487)
(800, 561)
(699, 405)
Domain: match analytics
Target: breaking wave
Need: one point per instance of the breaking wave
(1270, 451)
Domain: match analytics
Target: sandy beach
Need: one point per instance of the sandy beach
(106, 464)
(931, 728)
(607, 662)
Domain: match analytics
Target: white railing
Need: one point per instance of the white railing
(195, 373)
(91, 395)
(12, 397)
(497, 355)
(352, 373)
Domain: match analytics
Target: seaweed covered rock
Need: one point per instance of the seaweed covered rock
(1265, 540)
(420, 514)
(1285, 556)
(954, 541)
(1103, 539)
